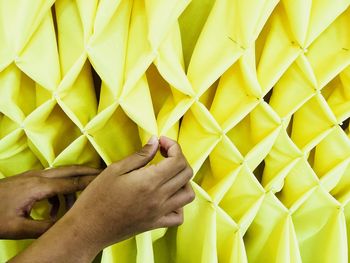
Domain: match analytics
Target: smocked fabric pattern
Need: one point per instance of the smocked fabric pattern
(257, 92)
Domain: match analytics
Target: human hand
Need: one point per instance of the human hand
(129, 198)
(19, 193)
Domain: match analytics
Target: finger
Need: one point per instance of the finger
(138, 159)
(172, 219)
(178, 211)
(49, 187)
(68, 171)
(177, 182)
(169, 147)
(173, 164)
(55, 206)
(29, 228)
(70, 200)
(181, 198)
(166, 169)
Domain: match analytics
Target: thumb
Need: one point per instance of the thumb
(138, 159)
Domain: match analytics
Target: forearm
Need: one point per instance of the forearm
(148, 197)
(65, 242)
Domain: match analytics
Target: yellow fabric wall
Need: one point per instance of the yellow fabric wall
(256, 91)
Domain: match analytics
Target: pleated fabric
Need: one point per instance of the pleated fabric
(257, 92)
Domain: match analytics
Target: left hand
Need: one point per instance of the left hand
(19, 193)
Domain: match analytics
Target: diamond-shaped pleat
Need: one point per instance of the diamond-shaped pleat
(256, 92)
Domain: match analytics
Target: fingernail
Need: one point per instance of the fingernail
(153, 140)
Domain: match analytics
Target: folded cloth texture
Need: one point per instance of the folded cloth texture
(257, 92)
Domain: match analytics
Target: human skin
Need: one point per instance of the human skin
(125, 199)
(19, 193)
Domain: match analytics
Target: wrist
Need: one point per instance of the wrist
(66, 241)
(81, 235)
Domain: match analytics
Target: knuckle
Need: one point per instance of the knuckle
(179, 149)
(143, 153)
(190, 196)
(183, 162)
(189, 174)
(146, 186)
(153, 205)
(179, 220)
(180, 163)
(190, 170)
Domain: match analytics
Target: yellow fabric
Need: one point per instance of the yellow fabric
(255, 91)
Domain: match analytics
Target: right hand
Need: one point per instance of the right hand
(128, 197)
